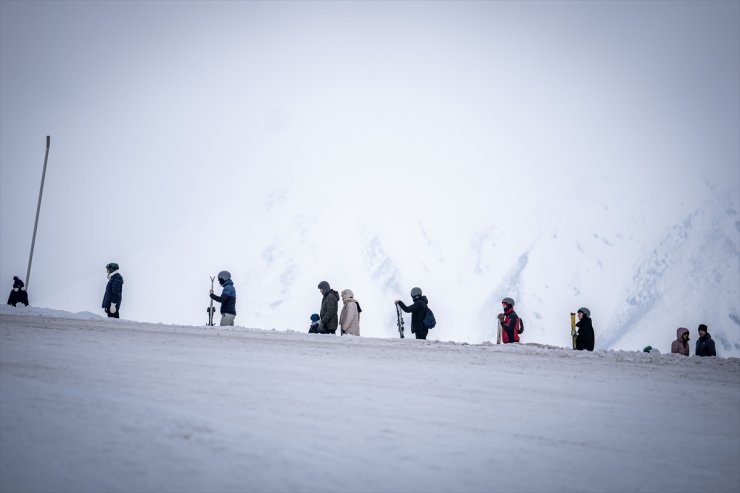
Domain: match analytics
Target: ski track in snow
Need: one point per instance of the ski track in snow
(92, 404)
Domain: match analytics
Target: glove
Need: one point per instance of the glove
(112, 308)
(501, 316)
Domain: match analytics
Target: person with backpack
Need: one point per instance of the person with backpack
(585, 339)
(18, 294)
(329, 309)
(418, 310)
(705, 343)
(113, 291)
(681, 344)
(510, 322)
(349, 319)
(227, 298)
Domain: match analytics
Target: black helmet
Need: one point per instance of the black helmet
(111, 267)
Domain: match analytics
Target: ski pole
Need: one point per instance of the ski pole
(38, 210)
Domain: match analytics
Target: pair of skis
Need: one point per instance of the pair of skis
(211, 310)
(399, 317)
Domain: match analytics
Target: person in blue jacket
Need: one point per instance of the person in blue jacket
(705, 343)
(227, 298)
(113, 291)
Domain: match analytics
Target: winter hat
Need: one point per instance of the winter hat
(415, 292)
(508, 301)
(324, 285)
(315, 317)
(17, 283)
(585, 311)
(703, 327)
(111, 267)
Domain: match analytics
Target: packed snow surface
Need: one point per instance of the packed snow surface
(92, 405)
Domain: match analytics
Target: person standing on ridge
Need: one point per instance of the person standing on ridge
(681, 344)
(509, 322)
(585, 339)
(329, 309)
(417, 309)
(227, 298)
(113, 291)
(705, 343)
(18, 294)
(349, 319)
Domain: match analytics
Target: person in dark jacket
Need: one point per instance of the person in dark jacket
(113, 291)
(681, 344)
(585, 339)
(18, 294)
(510, 322)
(417, 309)
(329, 313)
(705, 344)
(227, 298)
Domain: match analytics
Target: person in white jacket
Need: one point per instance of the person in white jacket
(349, 319)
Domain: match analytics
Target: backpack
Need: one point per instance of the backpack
(429, 321)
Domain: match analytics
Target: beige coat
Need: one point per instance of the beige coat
(349, 319)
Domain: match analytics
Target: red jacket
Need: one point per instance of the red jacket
(510, 325)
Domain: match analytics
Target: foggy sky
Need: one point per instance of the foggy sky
(169, 115)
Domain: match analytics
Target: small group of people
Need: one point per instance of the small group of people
(704, 345)
(330, 318)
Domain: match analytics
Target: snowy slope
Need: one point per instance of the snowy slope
(105, 405)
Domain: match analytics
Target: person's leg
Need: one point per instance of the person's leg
(227, 319)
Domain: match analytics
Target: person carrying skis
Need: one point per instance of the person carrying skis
(113, 291)
(509, 322)
(681, 344)
(585, 339)
(705, 343)
(349, 319)
(329, 309)
(18, 294)
(417, 309)
(227, 298)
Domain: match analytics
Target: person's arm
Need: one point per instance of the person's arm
(116, 287)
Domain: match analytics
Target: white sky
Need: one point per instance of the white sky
(171, 118)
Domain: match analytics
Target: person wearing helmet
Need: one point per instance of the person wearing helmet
(113, 291)
(227, 298)
(417, 309)
(509, 322)
(585, 338)
(329, 309)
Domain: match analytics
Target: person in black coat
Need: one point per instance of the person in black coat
(18, 294)
(417, 309)
(585, 339)
(113, 291)
(705, 343)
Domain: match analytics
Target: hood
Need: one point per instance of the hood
(347, 295)
(680, 332)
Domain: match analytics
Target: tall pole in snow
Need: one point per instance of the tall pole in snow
(38, 210)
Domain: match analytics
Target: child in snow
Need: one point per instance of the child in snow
(314, 327)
